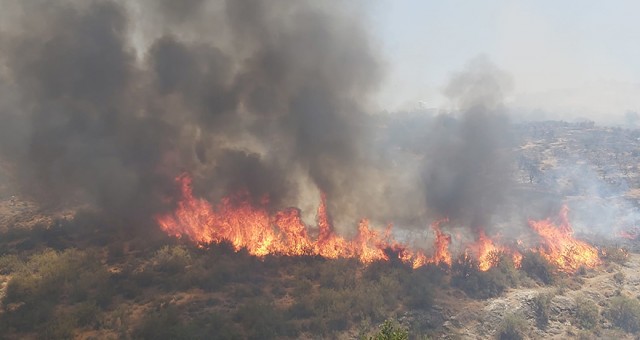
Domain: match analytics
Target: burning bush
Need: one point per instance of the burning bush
(466, 275)
(614, 254)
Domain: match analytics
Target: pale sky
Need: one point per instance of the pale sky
(572, 58)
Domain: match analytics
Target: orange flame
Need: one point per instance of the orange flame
(250, 227)
(245, 225)
(486, 252)
(560, 248)
(441, 254)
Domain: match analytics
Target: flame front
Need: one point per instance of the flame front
(284, 233)
(486, 252)
(560, 248)
(441, 254)
(245, 225)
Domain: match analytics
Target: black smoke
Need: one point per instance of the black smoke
(106, 102)
(467, 172)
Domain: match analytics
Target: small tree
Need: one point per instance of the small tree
(390, 331)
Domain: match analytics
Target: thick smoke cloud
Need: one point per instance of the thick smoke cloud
(106, 101)
(467, 169)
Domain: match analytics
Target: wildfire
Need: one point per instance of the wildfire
(560, 248)
(250, 226)
(443, 241)
(284, 233)
(486, 252)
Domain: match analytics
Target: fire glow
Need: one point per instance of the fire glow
(244, 225)
(560, 248)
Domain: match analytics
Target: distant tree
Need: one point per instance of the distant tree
(389, 331)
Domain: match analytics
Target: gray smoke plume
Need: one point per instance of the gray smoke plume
(467, 169)
(106, 101)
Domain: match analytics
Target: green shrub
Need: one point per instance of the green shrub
(302, 287)
(161, 324)
(334, 309)
(389, 330)
(337, 274)
(262, 320)
(537, 267)
(60, 326)
(171, 259)
(165, 322)
(49, 278)
(586, 335)
(614, 254)
(419, 296)
(513, 327)
(587, 313)
(619, 278)
(624, 312)
(467, 276)
(86, 313)
(541, 308)
(418, 287)
(9, 264)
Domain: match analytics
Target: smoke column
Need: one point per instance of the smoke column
(467, 168)
(106, 102)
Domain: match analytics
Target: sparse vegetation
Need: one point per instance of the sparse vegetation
(513, 327)
(58, 293)
(390, 331)
(619, 278)
(171, 259)
(537, 267)
(467, 276)
(587, 313)
(51, 278)
(614, 254)
(624, 312)
(541, 308)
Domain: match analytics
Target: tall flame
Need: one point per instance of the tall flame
(560, 248)
(486, 252)
(441, 254)
(246, 226)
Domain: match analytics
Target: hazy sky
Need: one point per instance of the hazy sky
(575, 58)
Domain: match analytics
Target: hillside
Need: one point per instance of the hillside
(74, 273)
(69, 279)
